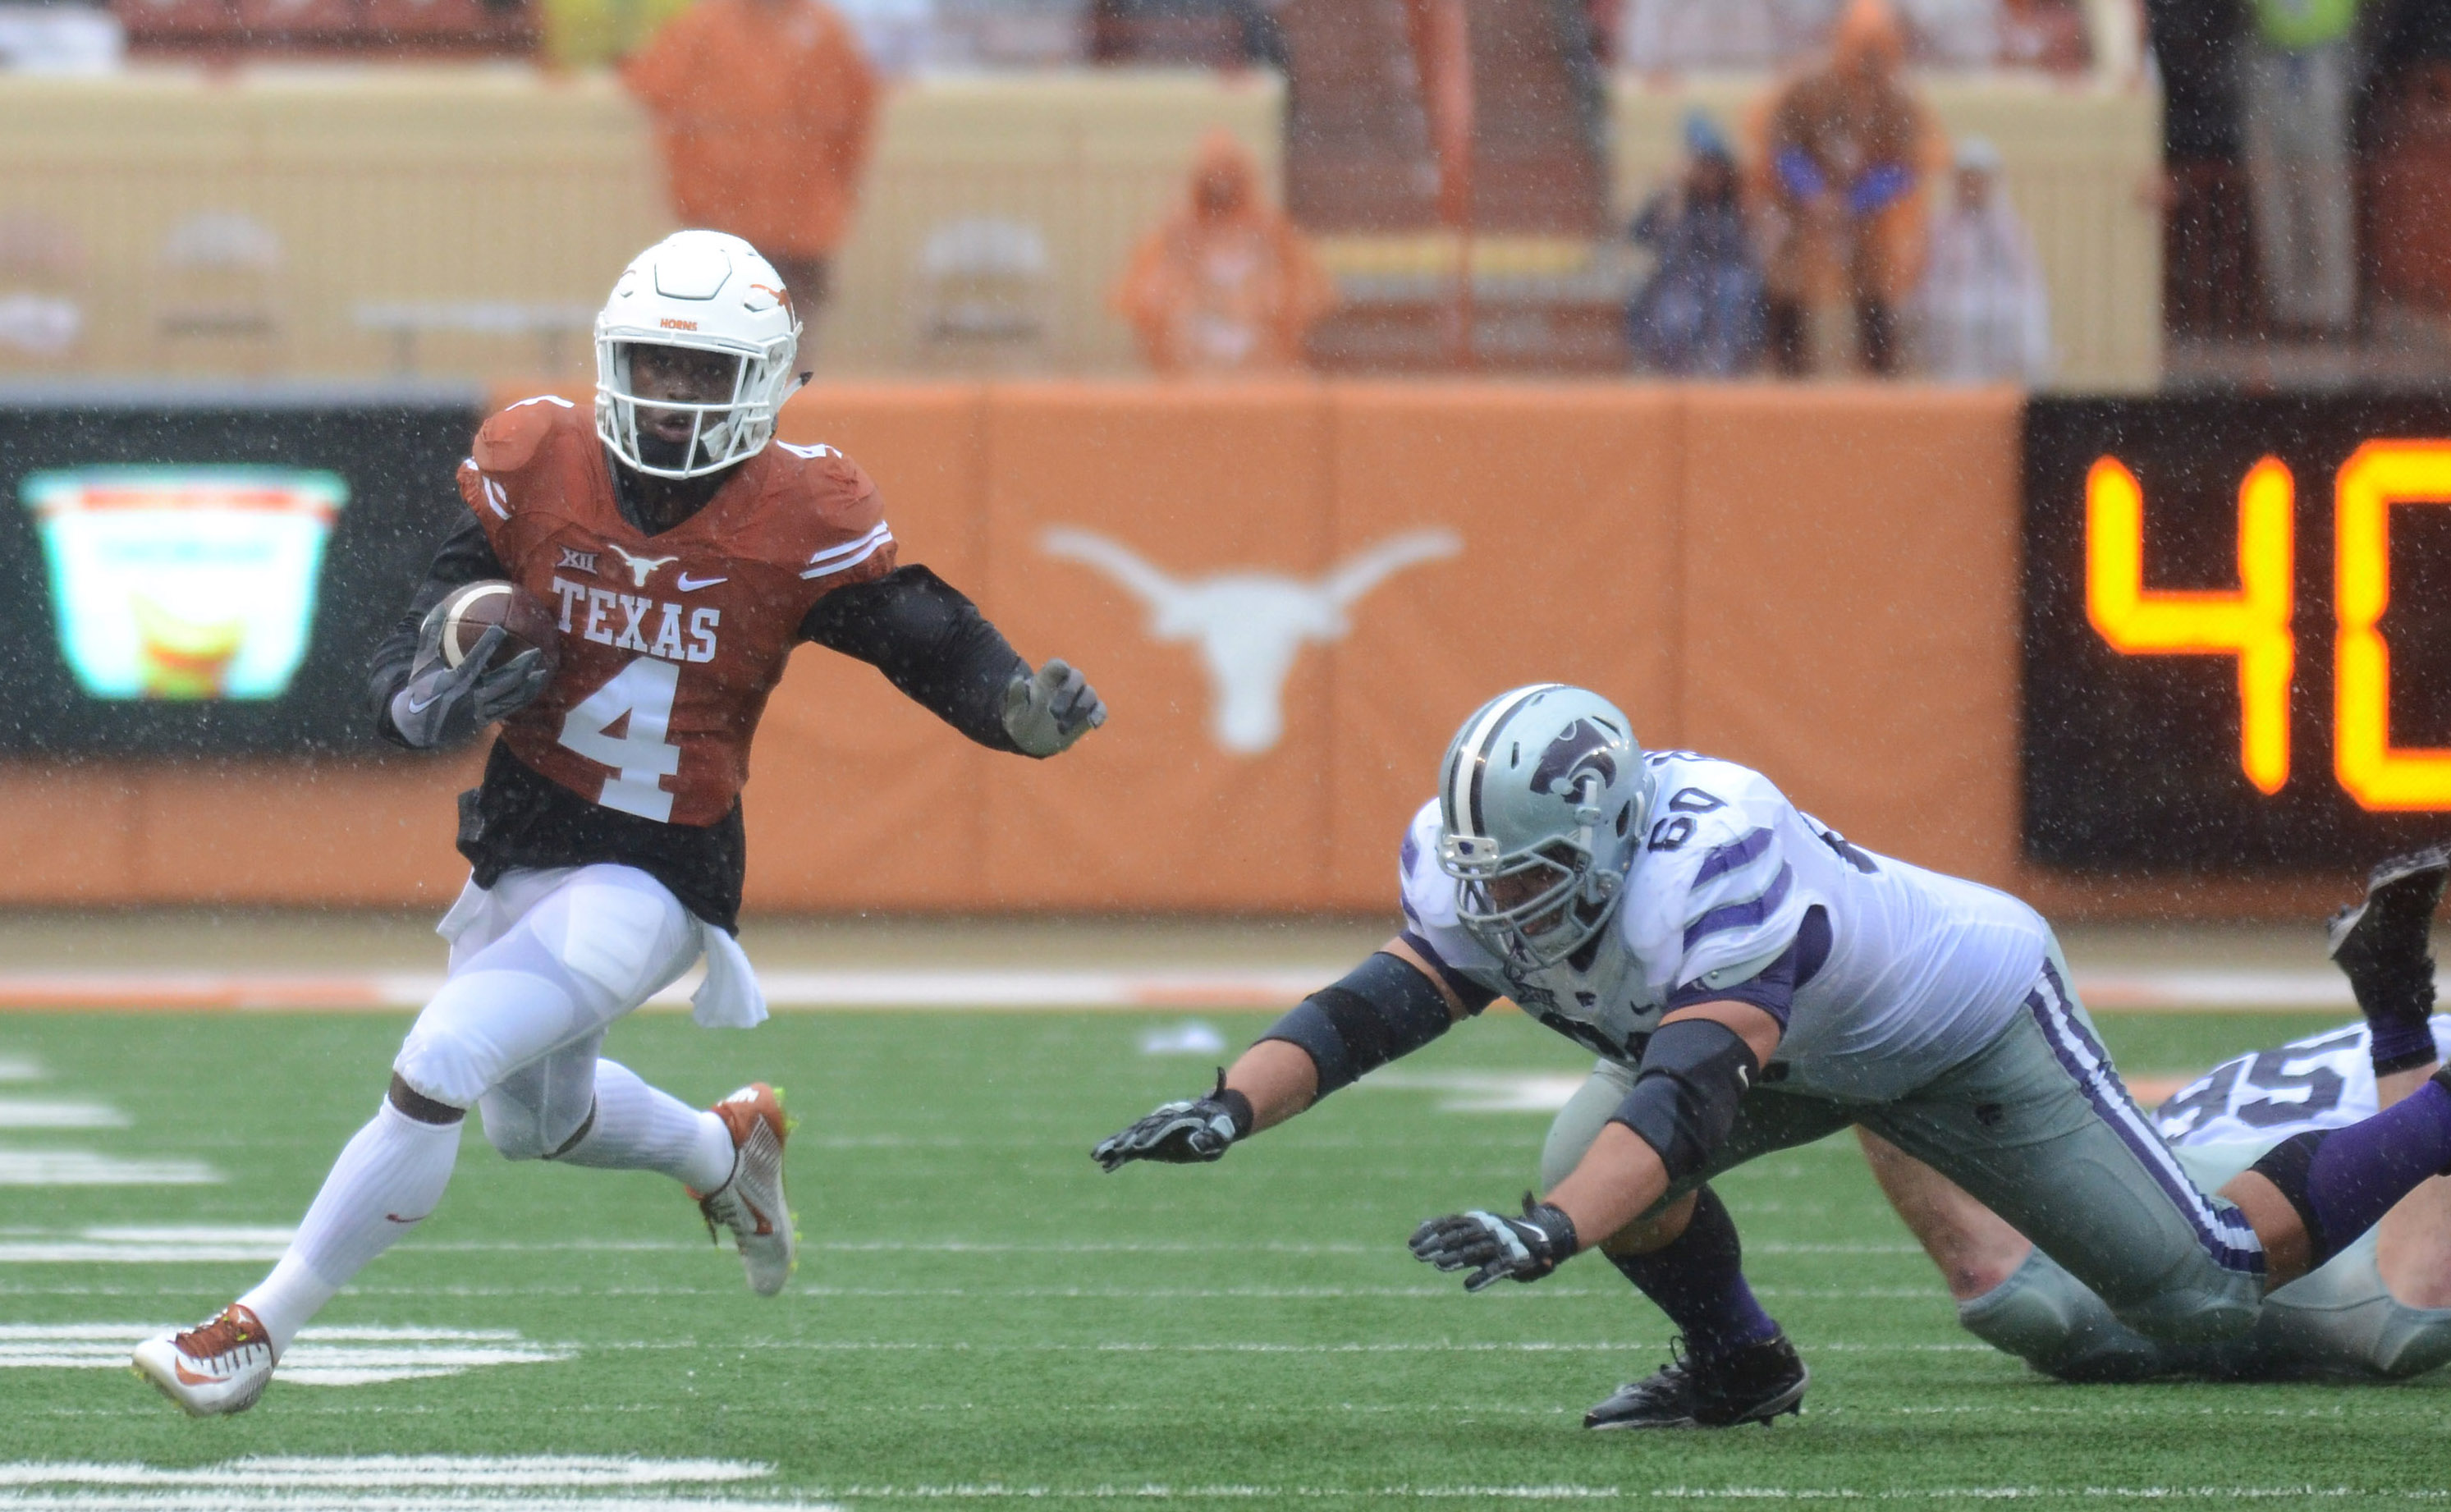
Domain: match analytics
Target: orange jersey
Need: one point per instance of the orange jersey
(670, 643)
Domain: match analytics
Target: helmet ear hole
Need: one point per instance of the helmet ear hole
(1624, 817)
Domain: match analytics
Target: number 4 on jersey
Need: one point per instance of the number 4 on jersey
(642, 694)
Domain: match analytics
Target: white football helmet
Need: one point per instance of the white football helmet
(1542, 801)
(708, 292)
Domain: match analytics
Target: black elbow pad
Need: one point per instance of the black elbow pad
(1381, 1008)
(1684, 1100)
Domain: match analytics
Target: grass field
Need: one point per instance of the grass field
(980, 1316)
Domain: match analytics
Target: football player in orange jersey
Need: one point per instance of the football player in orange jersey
(686, 554)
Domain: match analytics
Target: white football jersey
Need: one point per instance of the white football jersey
(1923, 970)
(2224, 1120)
(2323, 1081)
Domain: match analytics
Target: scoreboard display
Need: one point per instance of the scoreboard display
(2237, 631)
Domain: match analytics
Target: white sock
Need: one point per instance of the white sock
(639, 1129)
(388, 1178)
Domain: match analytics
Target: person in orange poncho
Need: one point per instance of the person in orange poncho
(1226, 284)
(764, 110)
(1845, 154)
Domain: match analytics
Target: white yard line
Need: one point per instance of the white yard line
(18, 1113)
(1158, 1491)
(397, 1483)
(20, 1069)
(2166, 990)
(244, 1243)
(321, 1357)
(84, 1167)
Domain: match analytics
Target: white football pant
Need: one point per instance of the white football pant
(540, 966)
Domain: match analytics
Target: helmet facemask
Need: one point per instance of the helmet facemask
(729, 427)
(1536, 904)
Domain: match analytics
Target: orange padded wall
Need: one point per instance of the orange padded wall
(1820, 581)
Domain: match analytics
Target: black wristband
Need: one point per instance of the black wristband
(1238, 1108)
(1552, 1221)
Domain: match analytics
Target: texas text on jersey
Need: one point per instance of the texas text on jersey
(672, 642)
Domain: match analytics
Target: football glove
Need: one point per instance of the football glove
(1181, 1133)
(1046, 711)
(1523, 1249)
(442, 705)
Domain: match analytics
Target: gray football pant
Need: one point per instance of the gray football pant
(2341, 1323)
(2037, 1126)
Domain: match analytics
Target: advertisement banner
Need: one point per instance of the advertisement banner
(211, 580)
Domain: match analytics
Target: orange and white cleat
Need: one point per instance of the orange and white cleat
(216, 1367)
(751, 1204)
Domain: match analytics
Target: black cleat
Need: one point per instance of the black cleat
(2381, 944)
(1754, 1384)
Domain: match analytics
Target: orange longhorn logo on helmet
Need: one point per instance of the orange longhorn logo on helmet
(782, 296)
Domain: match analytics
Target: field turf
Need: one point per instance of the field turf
(981, 1317)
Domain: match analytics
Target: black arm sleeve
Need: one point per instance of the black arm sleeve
(464, 556)
(930, 641)
(1382, 1008)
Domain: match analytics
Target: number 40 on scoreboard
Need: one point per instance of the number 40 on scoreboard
(2220, 593)
(2253, 621)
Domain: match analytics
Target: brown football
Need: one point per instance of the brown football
(474, 608)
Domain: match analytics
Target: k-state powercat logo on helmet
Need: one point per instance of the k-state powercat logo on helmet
(1250, 626)
(1580, 747)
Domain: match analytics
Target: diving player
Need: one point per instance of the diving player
(686, 556)
(1754, 981)
(2380, 1310)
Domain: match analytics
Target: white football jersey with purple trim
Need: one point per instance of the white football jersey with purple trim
(2323, 1081)
(2224, 1120)
(1922, 970)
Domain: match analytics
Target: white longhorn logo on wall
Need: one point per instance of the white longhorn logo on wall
(1250, 626)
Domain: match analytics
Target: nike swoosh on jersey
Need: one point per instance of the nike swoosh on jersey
(687, 584)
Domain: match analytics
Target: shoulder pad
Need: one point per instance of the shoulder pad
(1428, 894)
(511, 438)
(827, 481)
(1714, 886)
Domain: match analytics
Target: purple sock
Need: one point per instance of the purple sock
(1699, 1282)
(2358, 1173)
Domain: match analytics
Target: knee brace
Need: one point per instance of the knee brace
(2056, 1324)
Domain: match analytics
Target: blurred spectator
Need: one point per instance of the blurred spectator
(1841, 176)
(764, 109)
(2298, 80)
(1699, 313)
(1225, 284)
(1982, 315)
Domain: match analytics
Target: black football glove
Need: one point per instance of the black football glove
(1181, 1133)
(442, 705)
(1046, 710)
(1523, 1249)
